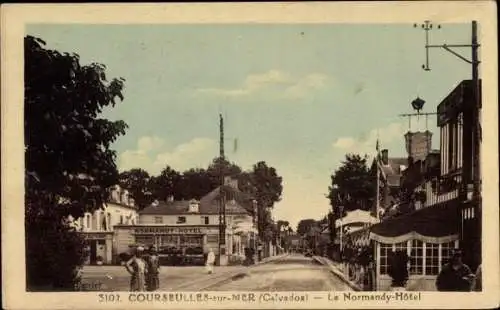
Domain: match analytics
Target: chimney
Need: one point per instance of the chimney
(418, 144)
(385, 156)
(170, 198)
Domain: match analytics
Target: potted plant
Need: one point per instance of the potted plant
(398, 270)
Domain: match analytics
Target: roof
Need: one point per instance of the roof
(357, 216)
(209, 204)
(394, 169)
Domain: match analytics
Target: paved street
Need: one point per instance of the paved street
(292, 273)
(116, 278)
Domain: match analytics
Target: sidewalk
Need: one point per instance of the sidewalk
(220, 276)
(334, 268)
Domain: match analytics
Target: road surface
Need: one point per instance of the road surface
(292, 273)
(289, 273)
(116, 278)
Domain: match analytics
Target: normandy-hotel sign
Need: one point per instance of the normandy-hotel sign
(168, 230)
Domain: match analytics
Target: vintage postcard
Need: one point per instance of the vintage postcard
(250, 156)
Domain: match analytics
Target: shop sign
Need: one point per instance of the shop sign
(91, 236)
(168, 230)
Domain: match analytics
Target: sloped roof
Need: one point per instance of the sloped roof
(209, 204)
(393, 170)
(357, 216)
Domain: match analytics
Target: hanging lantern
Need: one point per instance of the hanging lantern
(417, 104)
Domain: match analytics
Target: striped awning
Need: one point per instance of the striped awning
(438, 223)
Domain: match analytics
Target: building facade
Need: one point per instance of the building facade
(190, 228)
(98, 227)
(432, 225)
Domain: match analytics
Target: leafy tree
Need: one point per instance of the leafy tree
(304, 226)
(267, 187)
(194, 184)
(166, 184)
(138, 182)
(352, 185)
(268, 184)
(221, 165)
(69, 163)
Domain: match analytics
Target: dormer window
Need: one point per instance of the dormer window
(194, 206)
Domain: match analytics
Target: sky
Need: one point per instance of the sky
(296, 96)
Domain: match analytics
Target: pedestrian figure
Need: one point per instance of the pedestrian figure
(137, 268)
(455, 275)
(209, 265)
(153, 270)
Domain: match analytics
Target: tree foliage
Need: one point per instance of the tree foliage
(138, 183)
(166, 185)
(69, 163)
(221, 165)
(352, 186)
(305, 225)
(195, 183)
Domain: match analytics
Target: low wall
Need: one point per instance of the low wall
(415, 283)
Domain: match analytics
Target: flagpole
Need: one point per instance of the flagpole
(377, 205)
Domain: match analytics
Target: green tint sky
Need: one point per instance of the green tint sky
(297, 96)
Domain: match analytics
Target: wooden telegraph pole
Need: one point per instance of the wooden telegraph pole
(222, 199)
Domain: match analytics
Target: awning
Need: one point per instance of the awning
(436, 224)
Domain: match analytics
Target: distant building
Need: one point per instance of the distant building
(192, 227)
(98, 227)
(391, 169)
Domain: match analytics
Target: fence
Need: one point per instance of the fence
(363, 276)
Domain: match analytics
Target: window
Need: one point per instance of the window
(385, 252)
(121, 219)
(416, 257)
(431, 259)
(446, 252)
(450, 146)
(205, 220)
(110, 225)
(181, 220)
(88, 221)
(192, 240)
(145, 240)
(158, 220)
(212, 238)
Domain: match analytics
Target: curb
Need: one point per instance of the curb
(337, 273)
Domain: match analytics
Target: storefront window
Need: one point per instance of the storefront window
(146, 240)
(431, 258)
(416, 257)
(385, 252)
(446, 251)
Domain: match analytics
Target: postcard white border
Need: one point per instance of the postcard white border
(15, 17)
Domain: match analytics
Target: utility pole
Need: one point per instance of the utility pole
(471, 167)
(222, 199)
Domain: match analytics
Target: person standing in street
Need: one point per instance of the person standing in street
(209, 265)
(153, 270)
(137, 268)
(455, 275)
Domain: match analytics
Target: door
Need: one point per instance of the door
(93, 251)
